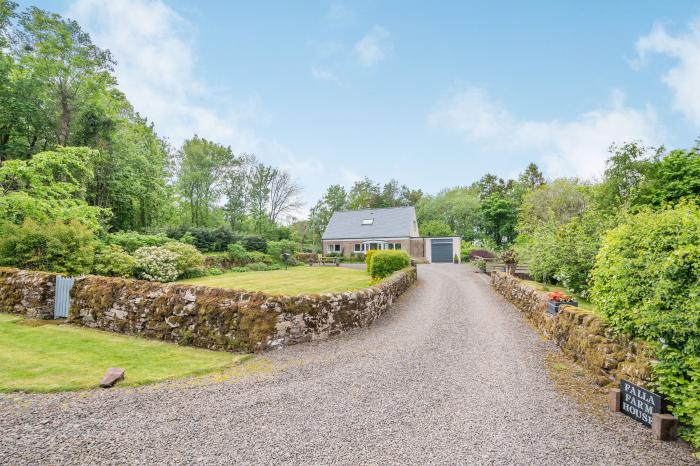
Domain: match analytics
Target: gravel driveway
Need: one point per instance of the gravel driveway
(451, 374)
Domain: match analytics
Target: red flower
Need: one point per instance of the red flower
(558, 296)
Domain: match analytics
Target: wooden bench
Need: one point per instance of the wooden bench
(323, 260)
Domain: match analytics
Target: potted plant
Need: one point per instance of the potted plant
(556, 299)
(510, 259)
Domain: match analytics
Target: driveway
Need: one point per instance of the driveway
(451, 374)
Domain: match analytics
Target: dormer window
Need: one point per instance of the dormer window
(368, 221)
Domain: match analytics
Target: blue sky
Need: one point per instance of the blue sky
(433, 94)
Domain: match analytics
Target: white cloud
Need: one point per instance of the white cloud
(684, 78)
(154, 49)
(373, 46)
(322, 74)
(578, 147)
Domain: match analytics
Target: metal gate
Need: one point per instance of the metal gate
(62, 302)
(441, 250)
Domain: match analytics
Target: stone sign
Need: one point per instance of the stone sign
(638, 403)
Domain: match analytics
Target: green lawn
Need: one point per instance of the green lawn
(296, 280)
(50, 357)
(582, 303)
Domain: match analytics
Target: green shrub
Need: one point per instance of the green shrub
(384, 263)
(52, 247)
(368, 259)
(254, 243)
(256, 256)
(306, 257)
(205, 239)
(157, 264)
(113, 261)
(237, 254)
(238, 269)
(257, 267)
(480, 263)
(646, 282)
(188, 256)
(276, 248)
(214, 271)
(130, 241)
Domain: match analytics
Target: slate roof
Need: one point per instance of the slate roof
(395, 222)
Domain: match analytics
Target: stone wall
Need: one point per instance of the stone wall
(28, 293)
(218, 318)
(580, 334)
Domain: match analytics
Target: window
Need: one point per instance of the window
(358, 247)
(368, 221)
(397, 246)
(333, 248)
(391, 245)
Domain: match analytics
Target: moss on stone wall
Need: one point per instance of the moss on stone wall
(581, 334)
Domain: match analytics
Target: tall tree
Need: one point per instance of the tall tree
(202, 164)
(284, 195)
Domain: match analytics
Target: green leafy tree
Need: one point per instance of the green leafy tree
(435, 228)
(675, 177)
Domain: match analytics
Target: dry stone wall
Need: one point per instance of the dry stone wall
(580, 334)
(200, 316)
(28, 293)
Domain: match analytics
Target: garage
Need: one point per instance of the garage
(441, 250)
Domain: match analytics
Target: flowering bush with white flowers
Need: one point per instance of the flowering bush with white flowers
(156, 263)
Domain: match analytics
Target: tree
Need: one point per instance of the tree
(675, 177)
(236, 190)
(260, 184)
(553, 204)
(498, 218)
(365, 194)
(531, 177)
(62, 59)
(202, 166)
(458, 208)
(435, 228)
(284, 195)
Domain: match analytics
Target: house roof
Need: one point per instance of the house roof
(395, 222)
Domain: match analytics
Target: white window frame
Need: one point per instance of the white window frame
(333, 248)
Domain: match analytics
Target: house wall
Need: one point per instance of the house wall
(348, 246)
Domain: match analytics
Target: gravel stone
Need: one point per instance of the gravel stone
(450, 374)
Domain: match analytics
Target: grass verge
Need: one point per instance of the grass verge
(53, 358)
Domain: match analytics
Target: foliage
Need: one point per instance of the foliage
(498, 218)
(435, 228)
(238, 269)
(254, 243)
(50, 186)
(260, 257)
(276, 248)
(203, 238)
(188, 256)
(475, 253)
(384, 263)
(237, 254)
(647, 284)
(480, 263)
(156, 263)
(257, 266)
(113, 261)
(675, 177)
(368, 260)
(53, 247)
(509, 257)
(554, 203)
(130, 241)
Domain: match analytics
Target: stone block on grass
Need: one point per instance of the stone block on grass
(112, 376)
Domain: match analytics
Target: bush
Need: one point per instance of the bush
(53, 247)
(205, 239)
(384, 263)
(257, 267)
(188, 256)
(481, 264)
(646, 282)
(156, 264)
(254, 243)
(114, 261)
(306, 257)
(237, 254)
(256, 256)
(238, 269)
(130, 241)
(368, 259)
(474, 253)
(276, 248)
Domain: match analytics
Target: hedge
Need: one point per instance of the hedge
(646, 282)
(384, 263)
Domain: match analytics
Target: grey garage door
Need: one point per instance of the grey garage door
(441, 250)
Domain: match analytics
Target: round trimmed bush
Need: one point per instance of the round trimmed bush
(384, 263)
(114, 261)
